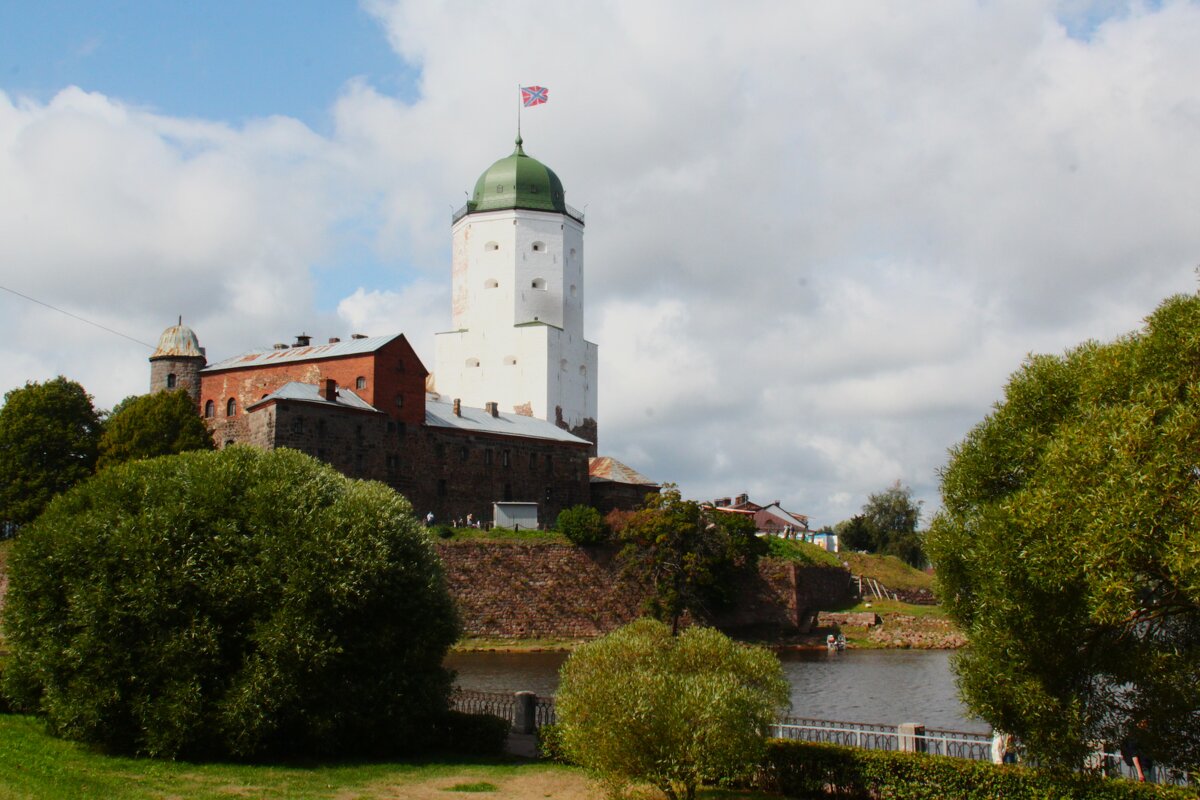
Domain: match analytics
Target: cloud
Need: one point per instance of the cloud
(819, 237)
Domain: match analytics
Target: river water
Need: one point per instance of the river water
(880, 686)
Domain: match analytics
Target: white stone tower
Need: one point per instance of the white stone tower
(518, 301)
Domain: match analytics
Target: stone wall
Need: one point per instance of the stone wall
(515, 590)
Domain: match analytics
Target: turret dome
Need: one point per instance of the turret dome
(518, 181)
(176, 341)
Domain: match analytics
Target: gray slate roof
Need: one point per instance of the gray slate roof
(311, 393)
(440, 414)
(258, 358)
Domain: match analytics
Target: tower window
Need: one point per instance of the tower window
(510, 361)
(539, 283)
(505, 458)
(399, 401)
(231, 408)
(171, 381)
(487, 457)
(539, 247)
(360, 382)
(499, 188)
(472, 362)
(491, 283)
(572, 290)
(210, 409)
(583, 370)
(492, 246)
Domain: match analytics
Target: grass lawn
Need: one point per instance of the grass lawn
(498, 535)
(888, 570)
(801, 552)
(36, 765)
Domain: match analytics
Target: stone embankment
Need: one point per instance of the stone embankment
(893, 630)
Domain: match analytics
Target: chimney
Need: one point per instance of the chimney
(330, 390)
(721, 502)
(302, 340)
(280, 346)
(358, 336)
(742, 499)
(492, 409)
(457, 407)
(334, 340)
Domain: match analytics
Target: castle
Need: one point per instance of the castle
(510, 413)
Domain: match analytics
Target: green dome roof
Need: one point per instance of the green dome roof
(518, 181)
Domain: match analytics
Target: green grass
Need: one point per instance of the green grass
(34, 764)
(505, 535)
(887, 607)
(888, 570)
(471, 644)
(801, 552)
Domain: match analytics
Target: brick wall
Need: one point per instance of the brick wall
(447, 471)
(513, 590)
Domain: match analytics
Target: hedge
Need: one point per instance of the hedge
(807, 770)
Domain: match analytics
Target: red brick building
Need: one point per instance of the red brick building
(361, 406)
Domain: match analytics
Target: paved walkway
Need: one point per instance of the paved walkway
(522, 744)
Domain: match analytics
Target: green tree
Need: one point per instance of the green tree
(583, 525)
(854, 534)
(48, 437)
(1067, 547)
(887, 525)
(232, 603)
(159, 424)
(689, 555)
(643, 706)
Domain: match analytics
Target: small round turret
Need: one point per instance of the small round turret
(177, 361)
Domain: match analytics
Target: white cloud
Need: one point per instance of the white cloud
(819, 236)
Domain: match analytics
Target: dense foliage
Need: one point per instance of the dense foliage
(48, 437)
(887, 525)
(236, 602)
(800, 769)
(643, 706)
(689, 555)
(583, 525)
(1068, 547)
(159, 424)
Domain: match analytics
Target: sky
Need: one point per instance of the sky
(820, 236)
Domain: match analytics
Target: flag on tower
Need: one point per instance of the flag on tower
(534, 95)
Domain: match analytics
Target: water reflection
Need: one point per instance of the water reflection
(888, 686)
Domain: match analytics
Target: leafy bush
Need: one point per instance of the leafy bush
(159, 424)
(801, 769)
(229, 603)
(443, 531)
(583, 525)
(640, 705)
(471, 734)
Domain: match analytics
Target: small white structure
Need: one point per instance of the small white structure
(826, 539)
(518, 516)
(517, 301)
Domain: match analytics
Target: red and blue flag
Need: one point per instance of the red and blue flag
(534, 95)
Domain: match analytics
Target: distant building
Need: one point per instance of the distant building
(770, 519)
(616, 486)
(510, 417)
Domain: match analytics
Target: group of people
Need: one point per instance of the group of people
(469, 522)
(1004, 751)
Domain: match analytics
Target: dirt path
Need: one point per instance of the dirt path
(557, 785)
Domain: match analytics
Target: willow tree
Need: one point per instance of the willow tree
(1069, 547)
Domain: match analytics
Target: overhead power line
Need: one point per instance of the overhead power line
(76, 316)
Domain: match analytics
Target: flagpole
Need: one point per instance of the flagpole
(519, 104)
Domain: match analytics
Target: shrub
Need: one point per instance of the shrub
(443, 531)
(229, 603)
(583, 525)
(640, 705)
(801, 769)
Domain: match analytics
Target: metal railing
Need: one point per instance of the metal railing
(498, 704)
